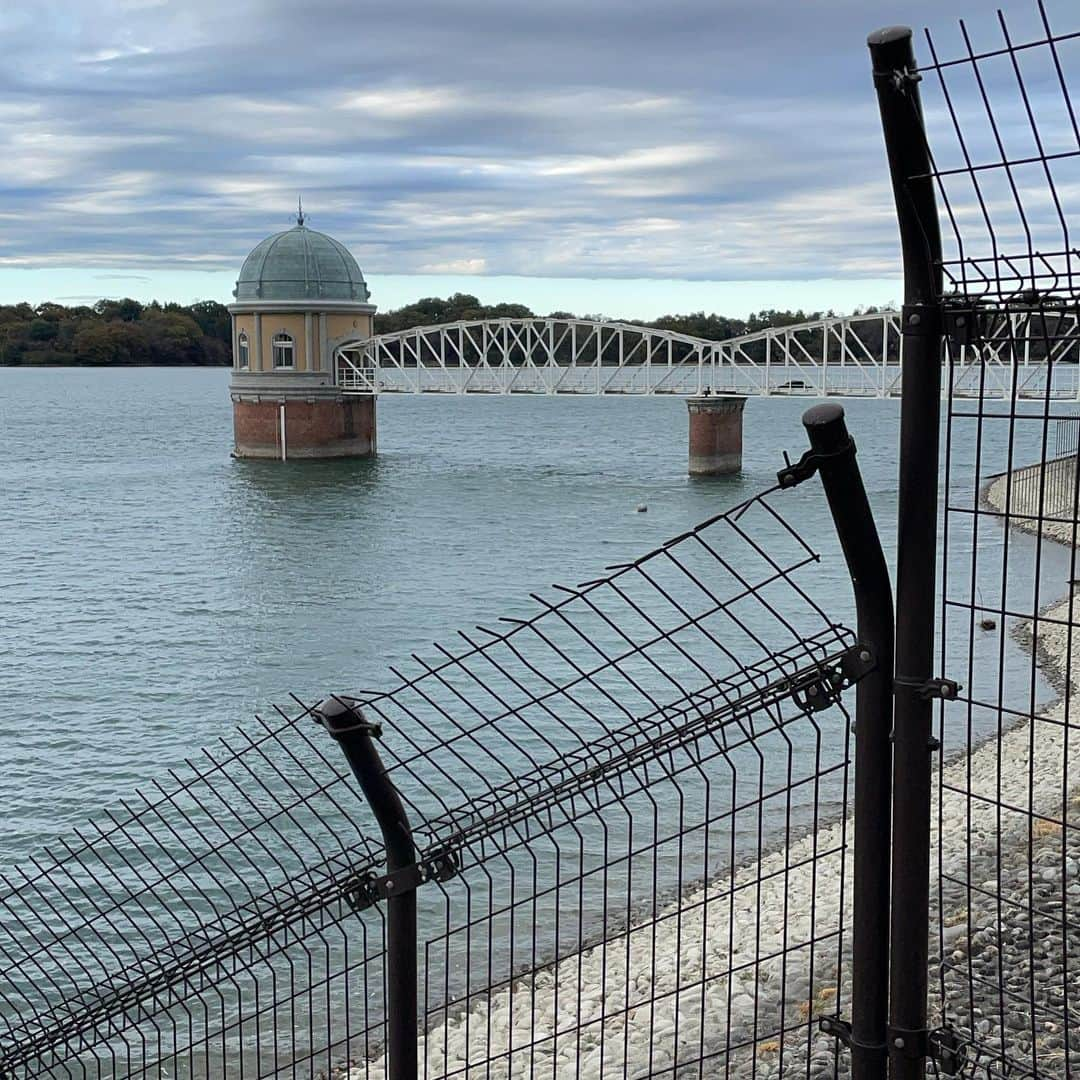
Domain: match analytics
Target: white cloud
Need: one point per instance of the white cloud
(405, 102)
(110, 53)
(455, 266)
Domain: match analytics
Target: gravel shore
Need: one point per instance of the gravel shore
(662, 981)
(1010, 934)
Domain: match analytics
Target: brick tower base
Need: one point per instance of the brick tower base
(313, 427)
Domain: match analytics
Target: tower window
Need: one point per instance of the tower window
(283, 350)
(243, 353)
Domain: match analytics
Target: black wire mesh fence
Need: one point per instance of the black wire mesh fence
(629, 807)
(1004, 151)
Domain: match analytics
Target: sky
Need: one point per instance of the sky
(613, 157)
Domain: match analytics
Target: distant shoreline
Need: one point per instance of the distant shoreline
(109, 367)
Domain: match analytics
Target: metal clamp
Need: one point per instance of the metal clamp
(963, 323)
(794, 474)
(369, 889)
(945, 689)
(920, 320)
(948, 1050)
(943, 1045)
(898, 78)
(841, 1031)
(824, 686)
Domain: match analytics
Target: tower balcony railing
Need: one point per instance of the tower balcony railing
(355, 377)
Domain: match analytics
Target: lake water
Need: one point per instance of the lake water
(157, 592)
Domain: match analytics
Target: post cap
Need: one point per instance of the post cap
(827, 413)
(340, 714)
(887, 35)
(826, 428)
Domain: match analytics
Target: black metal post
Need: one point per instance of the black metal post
(833, 454)
(344, 720)
(896, 81)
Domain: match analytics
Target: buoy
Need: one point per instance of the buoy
(642, 508)
(988, 624)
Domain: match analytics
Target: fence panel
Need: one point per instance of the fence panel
(635, 791)
(1005, 163)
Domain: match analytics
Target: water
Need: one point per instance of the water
(157, 592)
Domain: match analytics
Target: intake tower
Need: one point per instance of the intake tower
(299, 295)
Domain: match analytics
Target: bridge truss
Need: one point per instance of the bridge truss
(845, 356)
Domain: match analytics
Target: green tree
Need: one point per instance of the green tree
(43, 329)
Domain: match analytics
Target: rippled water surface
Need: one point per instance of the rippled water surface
(156, 592)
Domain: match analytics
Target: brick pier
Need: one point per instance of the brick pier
(716, 423)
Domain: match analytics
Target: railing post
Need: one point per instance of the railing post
(896, 81)
(832, 455)
(345, 721)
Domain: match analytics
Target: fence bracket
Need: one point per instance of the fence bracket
(928, 689)
(945, 689)
(841, 1031)
(962, 321)
(345, 717)
(826, 684)
(921, 320)
(943, 1045)
(900, 79)
(794, 474)
(371, 888)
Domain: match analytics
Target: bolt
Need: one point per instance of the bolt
(961, 321)
(864, 655)
(811, 691)
(898, 1043)
(389, 884)
(915, 319)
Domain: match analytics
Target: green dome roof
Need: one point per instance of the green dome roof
(301, 264)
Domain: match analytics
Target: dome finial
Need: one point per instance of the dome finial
(299, 210)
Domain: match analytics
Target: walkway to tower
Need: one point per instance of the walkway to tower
(848, 356)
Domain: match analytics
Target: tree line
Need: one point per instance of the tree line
(463, 307)
(116, 333)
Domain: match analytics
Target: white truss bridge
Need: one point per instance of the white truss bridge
(847, 356)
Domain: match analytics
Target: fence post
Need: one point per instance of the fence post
(832, 454)
(896, 81)
(346, 723)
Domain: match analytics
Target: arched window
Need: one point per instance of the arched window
(243, 353)
(283, 350)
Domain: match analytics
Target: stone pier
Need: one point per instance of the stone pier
(716, 423)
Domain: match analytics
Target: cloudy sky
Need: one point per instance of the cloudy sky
(611, 156)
